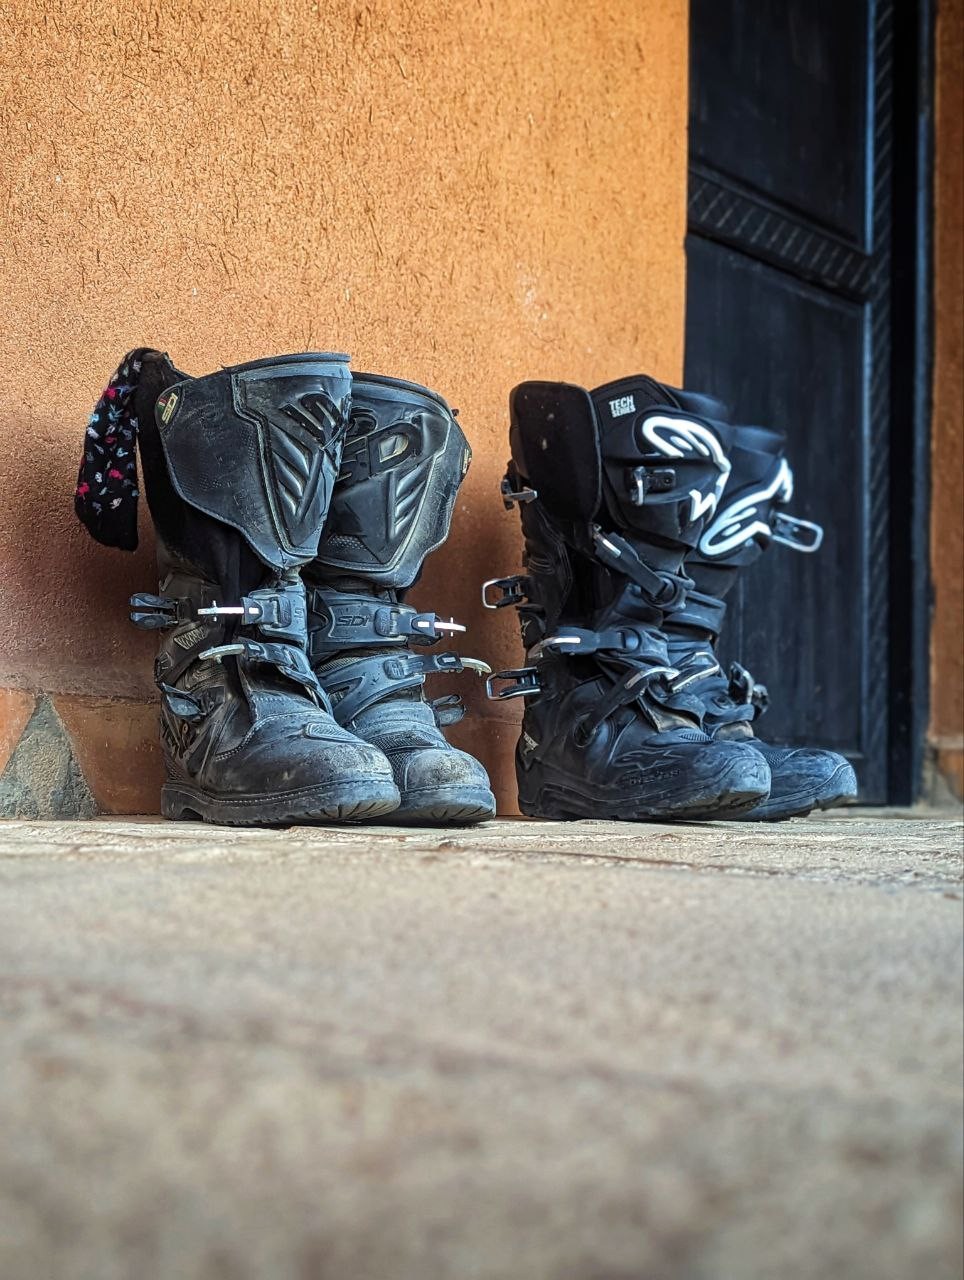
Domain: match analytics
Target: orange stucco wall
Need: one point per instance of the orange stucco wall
(947, 459)
(464, 195)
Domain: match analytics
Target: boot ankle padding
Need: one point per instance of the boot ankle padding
(628, 448)
(257, 448)
(403, 460)
(554, 436)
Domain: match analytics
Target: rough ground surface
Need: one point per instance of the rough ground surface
(533, 1051)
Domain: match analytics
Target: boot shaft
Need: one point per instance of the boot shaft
(240, 465)
(750, 517)
(404, 459)
(614, 487)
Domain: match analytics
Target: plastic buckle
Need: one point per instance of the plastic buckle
(512, 588)
(161, 611)
(448, 710)
(786, 530)
(524, 681)
(430, 626)
(510, 495)
(643, 480)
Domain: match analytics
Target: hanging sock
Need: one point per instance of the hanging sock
(105, 498)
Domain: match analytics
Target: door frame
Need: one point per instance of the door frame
(912, 359)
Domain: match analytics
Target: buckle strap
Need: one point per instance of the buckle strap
(787, 530)
(341, 620)
(702, 611)
(286, 658)
(625, 690)
(358, 684)
(639, 643)
(697, 666)
(152, 613)
(665, 590)
(278, 611)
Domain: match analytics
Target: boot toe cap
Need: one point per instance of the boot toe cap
(436, 767)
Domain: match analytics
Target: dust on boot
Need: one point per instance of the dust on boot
(613, 487)
(404, 459)
(747, 521)
(239, 468)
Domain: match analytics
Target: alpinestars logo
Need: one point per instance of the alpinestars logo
(743, 520)
(681, 438)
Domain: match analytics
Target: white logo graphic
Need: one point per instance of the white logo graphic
(739, 523)
(679, 438)
(625, 404)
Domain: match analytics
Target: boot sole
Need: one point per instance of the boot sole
(719, 798)
(445, 807)
(839, 789)
(338, 802)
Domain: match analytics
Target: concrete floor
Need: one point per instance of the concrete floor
(532, 1051)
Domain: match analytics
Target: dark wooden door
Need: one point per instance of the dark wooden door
(790, 284)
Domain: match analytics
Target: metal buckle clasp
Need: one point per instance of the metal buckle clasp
(222, 651)
(524, 682)
(513, 591)
(786, 530)
(251, 611)
(643, 480)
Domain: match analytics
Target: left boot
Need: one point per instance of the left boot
(748, 520)
(403, 461)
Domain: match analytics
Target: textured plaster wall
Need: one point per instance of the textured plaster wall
(463, 194)
(947, 520)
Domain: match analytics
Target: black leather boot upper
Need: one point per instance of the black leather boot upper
(613, 487)
(749, 519)
(239, 468)
(403, 461)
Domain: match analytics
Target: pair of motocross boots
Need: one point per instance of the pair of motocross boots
(294, 502)
(640, 506)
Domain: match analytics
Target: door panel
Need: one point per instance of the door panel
(786, 633)
(780, 102)
(788, 319)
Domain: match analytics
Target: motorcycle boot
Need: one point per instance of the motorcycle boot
(239, 468)
(404, 459)
(749, 519)
(613, 486)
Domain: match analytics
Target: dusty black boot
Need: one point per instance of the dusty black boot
(239, 467)
(747, 521)
(614, 487)
(404, 459)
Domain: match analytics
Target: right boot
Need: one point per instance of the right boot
(750, 518)
(404, 459)
(239, 468)
(614, 487)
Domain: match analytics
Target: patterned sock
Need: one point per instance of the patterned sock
(105, 499)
